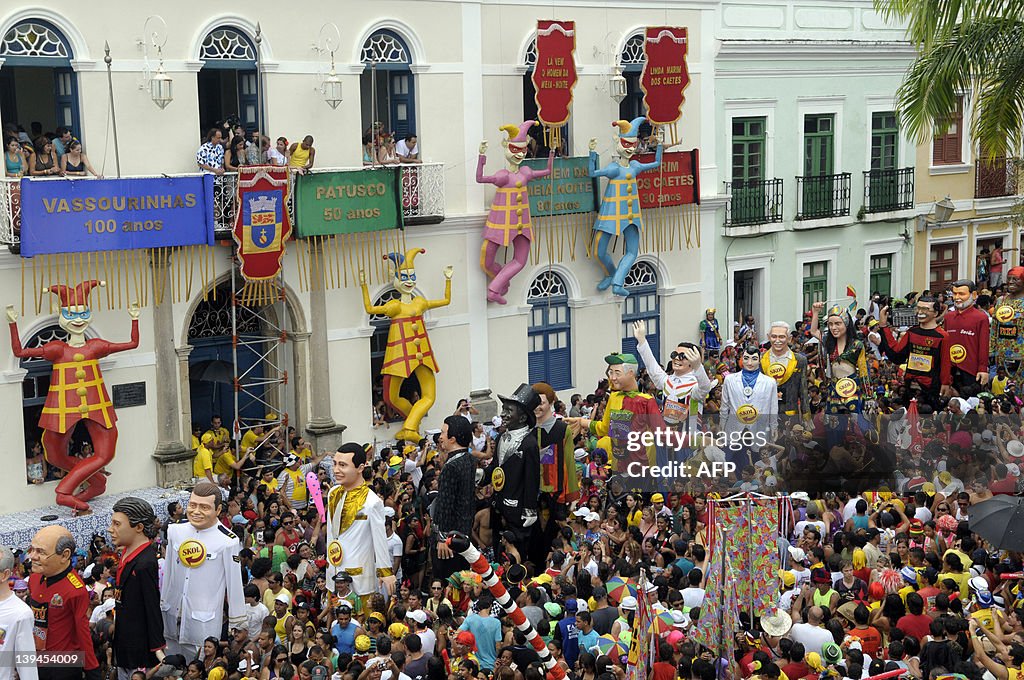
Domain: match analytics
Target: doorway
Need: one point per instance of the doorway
(746, 297)
(228, 83)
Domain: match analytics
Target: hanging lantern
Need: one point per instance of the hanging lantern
(161, 87)
(331, 89)
(617, 85)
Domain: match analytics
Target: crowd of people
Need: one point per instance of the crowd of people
(884, 428)
(44, 154)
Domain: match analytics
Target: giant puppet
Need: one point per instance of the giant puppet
(508, 222)
(408, 351)
(620, 207)
(77, 393)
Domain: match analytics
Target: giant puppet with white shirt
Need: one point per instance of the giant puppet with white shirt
(201, 568)
(357, 542)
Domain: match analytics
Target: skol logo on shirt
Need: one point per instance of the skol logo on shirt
(776, 371)
(746, 414)
(1004, 313)
(957, 353)
(335, 553)
(192, 553)
(846, 388)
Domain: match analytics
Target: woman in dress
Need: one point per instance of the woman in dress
(234, 157)
(35, 464)
(845, 367)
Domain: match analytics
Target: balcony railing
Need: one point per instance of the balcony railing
(422, 186)
(753, 202)
(997, 177)
(886, 190)
(823, 196)
(422, 189)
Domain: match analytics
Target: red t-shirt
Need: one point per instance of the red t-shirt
(870, 639)
(664, 671)
(915, 626)
(1007, 485)
(796, 670)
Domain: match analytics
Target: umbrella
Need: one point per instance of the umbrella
(609, 646)
(662, 623)
(1000, 521)
(214, 370)
(618, 588)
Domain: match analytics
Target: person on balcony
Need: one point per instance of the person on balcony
(369, 158)
(387, 155)
(234, 157)
(43, 161)
(409, 150)
(210, 156)
(14, 158)
(301, 155)
(279, 154)
(75, 163)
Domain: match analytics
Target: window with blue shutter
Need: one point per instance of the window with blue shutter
(387, 86)
(549, 334)
(644, 305)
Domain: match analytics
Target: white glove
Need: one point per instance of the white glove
(529, 517)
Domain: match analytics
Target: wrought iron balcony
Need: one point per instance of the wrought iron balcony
(10, 211)
(823, 196)
(997, 177)
(753, 202)
(886, 190)
(422, 189)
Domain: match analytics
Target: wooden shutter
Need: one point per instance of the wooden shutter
(946, 147)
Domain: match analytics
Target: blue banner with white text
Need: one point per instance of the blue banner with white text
(91, 215)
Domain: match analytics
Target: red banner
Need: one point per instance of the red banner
(554, 75)
(665, 75)
(675, 182)
(262, 226)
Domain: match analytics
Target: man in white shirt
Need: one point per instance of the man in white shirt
(811, 634)
(395, 545)
(693, 596)
(255, 611)
(16, 621)
(408, 149)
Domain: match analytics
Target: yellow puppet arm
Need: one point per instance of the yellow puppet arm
(370, 309)
(434, 304)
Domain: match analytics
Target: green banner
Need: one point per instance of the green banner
(347, 202)
(565, 191)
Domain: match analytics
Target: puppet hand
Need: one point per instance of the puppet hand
(448, 272)
(12, 314)
(483, 148)
(640, 331)
(133, 310)
(592, 144)
(982, 377)
(692, 355)
(529, 517)
(362, 278)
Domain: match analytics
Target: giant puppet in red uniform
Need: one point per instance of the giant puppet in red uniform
(77, 393)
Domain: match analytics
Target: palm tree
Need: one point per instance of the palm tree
(965, 46)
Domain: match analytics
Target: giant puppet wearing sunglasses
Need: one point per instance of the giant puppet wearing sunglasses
(77, 393)
(508, 222)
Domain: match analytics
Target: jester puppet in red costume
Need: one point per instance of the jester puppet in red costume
(77, 393)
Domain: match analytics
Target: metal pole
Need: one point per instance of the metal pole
(373, 110)
(259, 91)
(113, 115)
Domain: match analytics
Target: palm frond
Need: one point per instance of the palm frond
(930, 22)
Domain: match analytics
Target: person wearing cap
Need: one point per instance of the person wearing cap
(357, 542)
(750, 407)
(514, 473)
(632, 411)
(345, 629)
(627, 612)
(559, 482)
(291, 481)
(16, 620)
(463, 646)
(568, 634)
(139, 636)
(202, 464)
(787, 590)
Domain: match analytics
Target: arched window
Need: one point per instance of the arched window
(35, 386)
(642, 305)
(632, 60)
(387, 88)
(550, 331)
(381, 324)
(228, 81)
(530, 106)
(38, 88)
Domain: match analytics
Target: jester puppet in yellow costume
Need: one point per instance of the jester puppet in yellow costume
(408, 351)
(77, 393)
(620, 207)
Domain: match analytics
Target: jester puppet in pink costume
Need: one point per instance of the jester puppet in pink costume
(508, 223)
(620, 207)
(77, 393)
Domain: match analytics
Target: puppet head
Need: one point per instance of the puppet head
(629, 137)
(621, 371)
(51, 550)
(518, 410)
(75, 313)
(405, 272)
(517, 143)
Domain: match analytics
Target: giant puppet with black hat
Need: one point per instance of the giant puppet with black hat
(77, 393)
(357, 542)
(515, 469)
